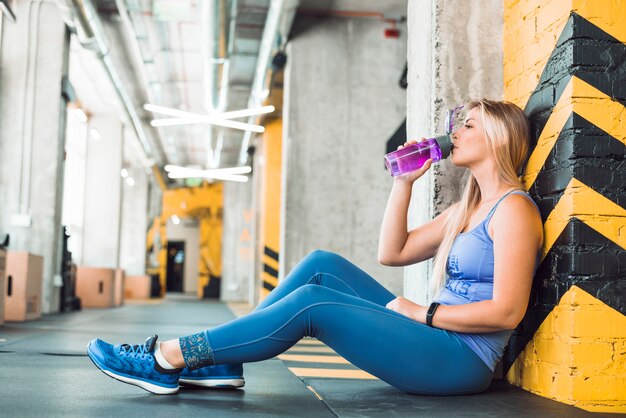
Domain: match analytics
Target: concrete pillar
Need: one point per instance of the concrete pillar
(238, 241)
(342, 103)
(134, 220)
(34, 59)
(452, 58)
(101, 230)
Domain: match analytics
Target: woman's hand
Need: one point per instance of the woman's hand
(409, 309)
(413, 175)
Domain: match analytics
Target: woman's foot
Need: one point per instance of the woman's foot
(134, 365)
(227, 376)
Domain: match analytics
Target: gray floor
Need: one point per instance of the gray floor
(44, 371)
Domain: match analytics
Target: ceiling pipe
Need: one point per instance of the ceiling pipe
(147, 80)
(82, 17)
(218, 48)
(278, 22)
(209, 21)
(214, 34)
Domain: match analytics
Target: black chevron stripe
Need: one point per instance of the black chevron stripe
(270, 253)
(597, 159)
(600, 165)
(577, 53)
(583, 241)
(271, 271)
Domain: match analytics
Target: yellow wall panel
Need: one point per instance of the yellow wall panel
(270, 206)
(204, 203)
(531, 31)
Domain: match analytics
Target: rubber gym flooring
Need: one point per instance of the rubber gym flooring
(44, 371)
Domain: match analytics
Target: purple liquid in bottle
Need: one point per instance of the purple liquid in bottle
(413, 157)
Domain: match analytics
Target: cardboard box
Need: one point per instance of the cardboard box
(23, 286)
(137, 287)
(118, 297)
(95, 287)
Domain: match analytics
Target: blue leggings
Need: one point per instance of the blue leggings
(329, 298)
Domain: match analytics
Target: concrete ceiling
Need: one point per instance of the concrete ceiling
(169, 42)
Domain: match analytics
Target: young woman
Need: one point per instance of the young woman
(488, 243)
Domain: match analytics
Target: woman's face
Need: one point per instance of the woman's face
(470, 145)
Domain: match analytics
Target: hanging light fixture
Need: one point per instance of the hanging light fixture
(230, 174)
(180, 117)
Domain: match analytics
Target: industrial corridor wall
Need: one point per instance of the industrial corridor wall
(565, 64)
(270, 206)
(204, 203)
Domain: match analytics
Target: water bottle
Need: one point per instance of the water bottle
(413, 156)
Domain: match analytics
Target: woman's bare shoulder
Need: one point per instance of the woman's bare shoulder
(517, 213)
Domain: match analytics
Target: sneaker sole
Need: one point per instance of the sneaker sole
(150, 387)
(215, 383)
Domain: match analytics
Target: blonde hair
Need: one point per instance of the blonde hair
(506, 130)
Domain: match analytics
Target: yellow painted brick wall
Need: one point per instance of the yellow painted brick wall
(565, 64)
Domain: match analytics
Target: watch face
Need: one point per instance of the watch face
(431, 308)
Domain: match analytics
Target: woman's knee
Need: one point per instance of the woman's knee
(311, 293)
(323, 256)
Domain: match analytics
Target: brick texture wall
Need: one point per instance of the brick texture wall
(565, 64)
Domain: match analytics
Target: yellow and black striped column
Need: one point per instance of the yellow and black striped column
(565, 64)
(270, 205)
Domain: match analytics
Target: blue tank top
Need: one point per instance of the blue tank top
(470, 279)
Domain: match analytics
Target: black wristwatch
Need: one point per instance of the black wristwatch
(431, 313)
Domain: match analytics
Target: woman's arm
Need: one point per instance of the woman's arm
(397, 246)
(517, 237)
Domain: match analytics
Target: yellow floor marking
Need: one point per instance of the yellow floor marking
(311, 349)
(314, 359)
(310, 342)
(331, 373)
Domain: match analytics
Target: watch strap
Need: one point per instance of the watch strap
(431, 313)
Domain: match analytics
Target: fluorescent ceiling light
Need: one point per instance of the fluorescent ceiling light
(180, 117)
(124, 172)
(230, 174)
(130, 181)
(207, 120)
(228, 177)
(199, 172)
(225, 115)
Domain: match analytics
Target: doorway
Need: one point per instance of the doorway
(175, 266)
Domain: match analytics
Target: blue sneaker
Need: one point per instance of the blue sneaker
(227, 376)
(134, 364)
